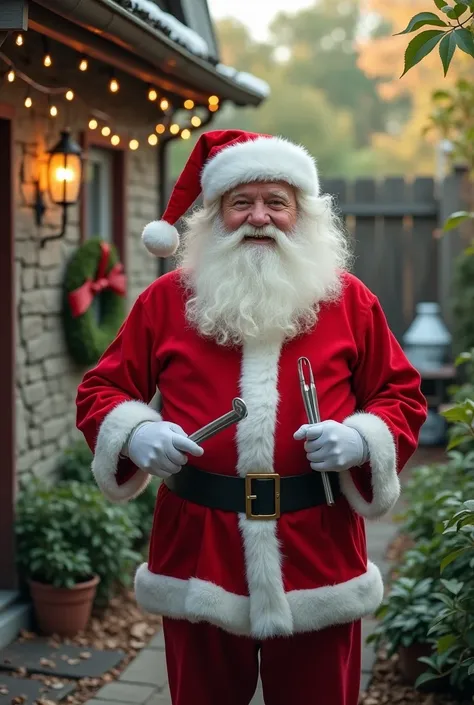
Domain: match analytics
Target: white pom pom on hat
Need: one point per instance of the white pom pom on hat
(220, 161)
(160, 238)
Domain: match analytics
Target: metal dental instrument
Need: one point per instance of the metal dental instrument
(310, 399)
(239, 412)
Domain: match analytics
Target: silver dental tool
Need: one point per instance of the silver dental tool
(310, 399)
(239, 412)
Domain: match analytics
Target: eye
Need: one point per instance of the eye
(241, 203)
(277, 203)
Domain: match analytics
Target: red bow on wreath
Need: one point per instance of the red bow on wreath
(80, 299)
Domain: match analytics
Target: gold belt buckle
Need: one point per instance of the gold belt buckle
(249, 497)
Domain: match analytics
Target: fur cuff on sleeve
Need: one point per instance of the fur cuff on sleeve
(113, 433)
(383, 466)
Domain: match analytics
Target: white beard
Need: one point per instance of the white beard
(239, 290)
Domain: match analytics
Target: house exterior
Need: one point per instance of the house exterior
(126, 77)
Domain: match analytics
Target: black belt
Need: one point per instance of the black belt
(258, 495)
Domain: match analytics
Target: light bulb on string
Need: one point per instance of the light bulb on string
(152, 94)
(106, 131)
(115, 140)
(28, 102)
(11, 76)
(47, 60)
(69, 95)
(213, 108)
(93, 124)
(213, 100)
(160, 128)
(83, 64)
(189, 104)
(134, 144)
(164, 104)
(19, 40)
(114, 85)
(174, 129)
(152, 140)
(186, 134)
(196, 121)
(53, 111)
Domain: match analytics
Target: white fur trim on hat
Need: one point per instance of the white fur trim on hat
(160, 238)
(261, 159)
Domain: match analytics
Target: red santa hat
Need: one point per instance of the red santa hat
(222, 160)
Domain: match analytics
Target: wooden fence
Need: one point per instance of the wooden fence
(399, 251)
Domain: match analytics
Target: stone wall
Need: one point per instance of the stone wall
(46, 377)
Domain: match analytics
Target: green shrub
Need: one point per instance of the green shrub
(69, 532)
(75, 464)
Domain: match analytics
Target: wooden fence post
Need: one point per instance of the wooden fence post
(453, 197)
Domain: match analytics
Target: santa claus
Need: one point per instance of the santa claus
(255, 574)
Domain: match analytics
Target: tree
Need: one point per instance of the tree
(402, 145)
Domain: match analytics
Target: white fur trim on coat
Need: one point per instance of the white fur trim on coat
(261, 159)
(310, 610)
(383, 465)
(269, 609)
(113, 433)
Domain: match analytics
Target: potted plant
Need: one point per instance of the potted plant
(73, 547)
(405, 617)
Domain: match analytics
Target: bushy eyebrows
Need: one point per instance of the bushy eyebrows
(271, 194)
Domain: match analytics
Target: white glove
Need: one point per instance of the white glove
(331, 446)
(159, 448)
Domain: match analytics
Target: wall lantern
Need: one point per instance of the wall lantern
(63, 177)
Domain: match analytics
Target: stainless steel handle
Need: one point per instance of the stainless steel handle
(239, 412)
(310, 399)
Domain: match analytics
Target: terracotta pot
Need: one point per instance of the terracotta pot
(408, 663)
(63, 611)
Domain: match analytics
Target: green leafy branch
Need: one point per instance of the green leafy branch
(458, 34)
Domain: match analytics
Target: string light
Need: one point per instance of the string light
(213, 108)
(160, 128)
(114, 86)
(134, 144)
(47, 60)
(174, 129)
(83, 64)
(106, 131)
(164, 104)
(152, 140)
(115, 140)
(70, 95)
(186, 134)
(189, 104)
(11, 76)
(93, 124)
(152, 94)
(19, 40)
(28, 102)
(213, 100)
(195, 121)
(53, 111)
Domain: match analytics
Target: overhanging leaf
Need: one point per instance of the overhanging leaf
(457, 218)
(425, 677)
(439, 4)
(451, 557)
(422, 19)
(458, 10)
(420, 46)
(465, 41)
(447, 48)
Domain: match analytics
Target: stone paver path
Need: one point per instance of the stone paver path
(144, 681)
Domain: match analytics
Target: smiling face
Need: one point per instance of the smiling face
(259, 206)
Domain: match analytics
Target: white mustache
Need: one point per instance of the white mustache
(237, 236)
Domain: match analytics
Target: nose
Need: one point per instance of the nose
(258, 215)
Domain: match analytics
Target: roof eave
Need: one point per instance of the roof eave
(108, 22)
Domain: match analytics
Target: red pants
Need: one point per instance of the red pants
(208, 666)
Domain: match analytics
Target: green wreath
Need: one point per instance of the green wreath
(94, 273)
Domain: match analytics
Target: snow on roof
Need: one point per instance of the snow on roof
(190, 40)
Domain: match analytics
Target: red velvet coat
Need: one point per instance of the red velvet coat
(309, 569)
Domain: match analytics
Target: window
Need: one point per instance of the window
(99, 194)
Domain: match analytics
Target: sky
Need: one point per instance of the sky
(256, 14)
